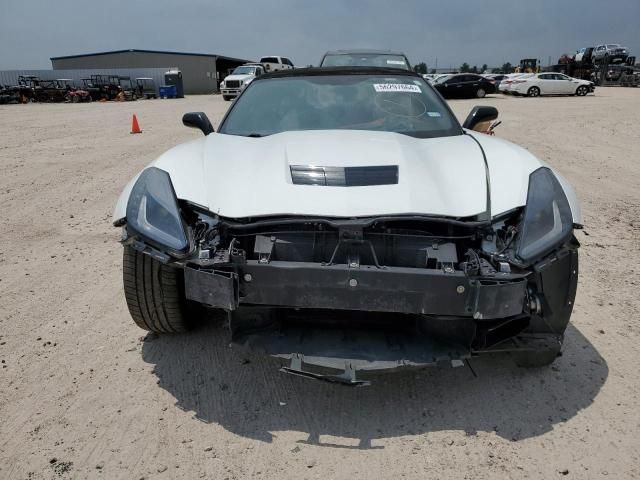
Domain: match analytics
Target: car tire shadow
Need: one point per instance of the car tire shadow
(249, 396)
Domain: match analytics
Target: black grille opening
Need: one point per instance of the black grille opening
(344, 176)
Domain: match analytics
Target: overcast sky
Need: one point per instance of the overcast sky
(453, 31)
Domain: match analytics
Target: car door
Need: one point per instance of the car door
(545, 82)
(598, 52)
(465, 86)
(474, 82)
(564, 84)
(287, 62)
(453, 87)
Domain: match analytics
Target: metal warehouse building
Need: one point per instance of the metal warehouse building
(201, 72)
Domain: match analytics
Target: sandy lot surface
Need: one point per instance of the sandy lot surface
(85, 394)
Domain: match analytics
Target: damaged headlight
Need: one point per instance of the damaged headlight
(152, 211)
(547, 216)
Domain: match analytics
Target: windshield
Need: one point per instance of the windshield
(442, 79)
(365, 60)
(244, 71)
(402, 104)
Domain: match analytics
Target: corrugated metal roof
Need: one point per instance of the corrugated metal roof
(162, 52)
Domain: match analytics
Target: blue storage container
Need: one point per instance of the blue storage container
(168, 91)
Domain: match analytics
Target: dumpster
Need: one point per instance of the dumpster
(167, 91)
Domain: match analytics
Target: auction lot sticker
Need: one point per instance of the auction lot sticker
(396, 87)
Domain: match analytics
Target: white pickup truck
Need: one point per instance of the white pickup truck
(242, 76)
(275, 62)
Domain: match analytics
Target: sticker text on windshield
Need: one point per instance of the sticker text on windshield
(396, 87)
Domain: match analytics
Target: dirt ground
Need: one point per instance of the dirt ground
(85, 394)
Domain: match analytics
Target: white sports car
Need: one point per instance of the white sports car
(346, 222)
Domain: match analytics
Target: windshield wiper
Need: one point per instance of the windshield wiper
(255, 135)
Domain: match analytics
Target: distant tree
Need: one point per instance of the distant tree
(507, 68)
(420, 68)
(496, 70)
(484, 68)
(433, 71)
(474, 69)
(464, 68)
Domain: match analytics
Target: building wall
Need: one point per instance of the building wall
(198, 71)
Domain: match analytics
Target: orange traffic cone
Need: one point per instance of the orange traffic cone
(135, 128)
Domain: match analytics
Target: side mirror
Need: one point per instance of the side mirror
(198, 120)
(480, 119)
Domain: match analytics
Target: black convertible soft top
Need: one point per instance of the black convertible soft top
(326, 71)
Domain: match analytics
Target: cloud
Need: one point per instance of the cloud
(453, 31)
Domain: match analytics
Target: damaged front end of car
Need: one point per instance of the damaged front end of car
(336, 298)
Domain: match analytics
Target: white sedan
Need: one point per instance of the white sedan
(346, 222)
(550, 83)
(507, 83)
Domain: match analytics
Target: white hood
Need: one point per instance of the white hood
(244, 177)
(239, 77)
(239, 177)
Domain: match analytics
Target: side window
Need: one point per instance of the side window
(286, 61)
(269, 60)
(545, 76)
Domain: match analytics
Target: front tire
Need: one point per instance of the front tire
(226, 98)
(154, 293)
(533, 92)
(481, 93)
(581, 91)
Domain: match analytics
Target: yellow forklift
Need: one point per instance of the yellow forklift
(528, 65)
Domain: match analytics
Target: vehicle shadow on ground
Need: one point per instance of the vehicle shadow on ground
(250, 397)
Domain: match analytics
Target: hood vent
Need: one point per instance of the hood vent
(344, 176)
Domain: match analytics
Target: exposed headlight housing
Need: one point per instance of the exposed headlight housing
(548, 221)
(153, 212)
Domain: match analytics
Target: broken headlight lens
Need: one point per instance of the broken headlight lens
(547, 216)
(153, 212)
